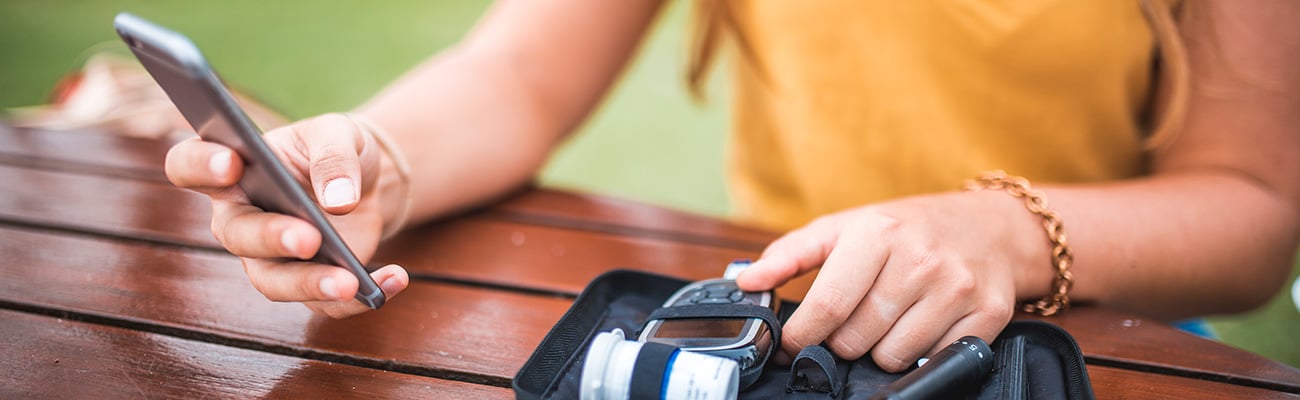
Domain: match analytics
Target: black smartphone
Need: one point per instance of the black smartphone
(196, 90)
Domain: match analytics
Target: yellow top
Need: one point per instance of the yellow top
(845, 103)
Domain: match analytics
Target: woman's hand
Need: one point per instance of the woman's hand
(902, 279)
(340, 166)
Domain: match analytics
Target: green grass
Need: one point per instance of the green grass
(647, 142)
(301, 57)
(1271, 330)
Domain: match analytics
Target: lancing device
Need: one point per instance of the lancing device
(958, 368)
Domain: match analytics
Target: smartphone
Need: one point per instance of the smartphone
(196, 90)
(748, 341)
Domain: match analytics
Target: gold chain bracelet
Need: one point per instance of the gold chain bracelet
(1062, 258)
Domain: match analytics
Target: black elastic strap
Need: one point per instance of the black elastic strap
(723, 311)
(648, 372)
(813, 370)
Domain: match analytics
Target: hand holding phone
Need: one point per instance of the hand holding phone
(233, 148)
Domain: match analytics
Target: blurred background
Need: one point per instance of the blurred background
(306, 57)
(649, 141)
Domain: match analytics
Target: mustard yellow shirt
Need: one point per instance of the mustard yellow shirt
(846, 103)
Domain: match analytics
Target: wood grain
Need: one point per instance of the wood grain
(626, 218)
(104, 154)
(433, 329)
(541, 258)
(85, 151)
(1116, 383)
(1117, 339)
(64, 359)
(473, 248)
(145, 210)
(96, 233)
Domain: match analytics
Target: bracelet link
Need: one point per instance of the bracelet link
(1062, 257)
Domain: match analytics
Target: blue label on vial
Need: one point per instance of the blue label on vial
(663, 390)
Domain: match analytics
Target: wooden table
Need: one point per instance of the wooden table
(113, 287)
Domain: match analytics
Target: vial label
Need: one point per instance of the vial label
(693, 376)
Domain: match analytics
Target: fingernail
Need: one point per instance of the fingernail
(289, 240)
(340, 192)
(391, 285)
(219, 164)
(329, 288)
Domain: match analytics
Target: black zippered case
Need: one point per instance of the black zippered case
(1033, 360)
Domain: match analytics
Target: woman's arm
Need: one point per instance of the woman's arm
(473, 122)
(1213, 229)
(482, 117)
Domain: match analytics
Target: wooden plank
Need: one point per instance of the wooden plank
(541, 258)
(154, 211)
(560, 250)
(49, 358)
(1117, 383)
(1117, 339)
(472, 249)
(58, 358)
(627, 218)
(210, 297)
(105, 154)
(544, 258)
(85, 151)
(433, 329)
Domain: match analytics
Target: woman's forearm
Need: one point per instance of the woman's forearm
(467, 137)
(1214, 229)
(1174, 245)
(482, 118)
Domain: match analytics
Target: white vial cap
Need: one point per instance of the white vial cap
(596, 368)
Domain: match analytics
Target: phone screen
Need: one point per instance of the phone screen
(191, 84)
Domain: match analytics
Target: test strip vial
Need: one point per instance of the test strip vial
(619, 369)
